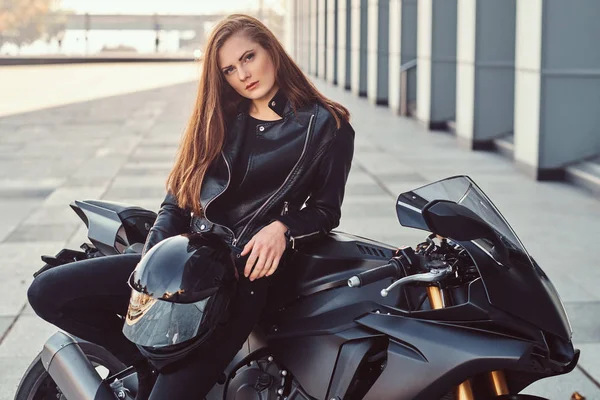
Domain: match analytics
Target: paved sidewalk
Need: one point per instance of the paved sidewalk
(120, 148)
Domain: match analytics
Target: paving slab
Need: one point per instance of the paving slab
(14, 210)
(562, 387)
(584, 319)
(5, 322)
(590, 358)
(19, 349)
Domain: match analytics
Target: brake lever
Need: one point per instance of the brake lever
(434, 275)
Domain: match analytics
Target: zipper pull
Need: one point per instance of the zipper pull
(285, 208)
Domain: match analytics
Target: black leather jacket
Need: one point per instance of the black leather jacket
(309, 200)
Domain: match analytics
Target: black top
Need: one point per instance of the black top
(239, 202)
(250, 142)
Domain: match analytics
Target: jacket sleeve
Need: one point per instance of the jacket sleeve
(170, 221)
(323, 207)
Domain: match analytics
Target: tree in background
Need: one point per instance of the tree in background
(24, 21)
(56, 25)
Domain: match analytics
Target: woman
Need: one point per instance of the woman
(263, 164)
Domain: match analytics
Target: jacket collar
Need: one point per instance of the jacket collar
(278, 103)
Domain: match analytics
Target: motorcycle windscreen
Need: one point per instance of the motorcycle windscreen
(156, 323)
(521, 288)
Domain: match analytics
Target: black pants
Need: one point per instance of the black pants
(85, 298)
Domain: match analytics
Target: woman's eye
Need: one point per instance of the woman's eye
(228, 71)
(250, 56)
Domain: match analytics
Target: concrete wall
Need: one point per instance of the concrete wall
(528, 67)
(344, 39)
(313, 34)
(436, 55)
(557, 85)
(359, 52)
(332, 38)
(378, 53)
(322, 38)
(485, 70)
(408, 50)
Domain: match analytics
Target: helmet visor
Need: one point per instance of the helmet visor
(155, 323)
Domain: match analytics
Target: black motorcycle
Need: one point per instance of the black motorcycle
(467, 314)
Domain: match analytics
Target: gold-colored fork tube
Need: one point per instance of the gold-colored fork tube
(435, 297)
(464, 391)
(498, 381)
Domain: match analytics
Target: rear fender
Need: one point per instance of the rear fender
(105, 229)
(113, 227)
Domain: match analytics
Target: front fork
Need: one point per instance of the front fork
(464, 391)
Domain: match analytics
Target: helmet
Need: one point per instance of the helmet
(181, 291)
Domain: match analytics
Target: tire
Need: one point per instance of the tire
(37, 384)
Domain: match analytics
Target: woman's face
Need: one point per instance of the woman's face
(247, 67)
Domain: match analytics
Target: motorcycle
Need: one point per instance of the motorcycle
(466, 314)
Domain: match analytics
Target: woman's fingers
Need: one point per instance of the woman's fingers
(260, 265)
(250, 262)
(266, 268)
(274, 266)
(247, 247)
(266, 249)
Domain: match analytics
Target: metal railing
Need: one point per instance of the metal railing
(404, 69)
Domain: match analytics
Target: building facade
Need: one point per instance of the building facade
(521, 76)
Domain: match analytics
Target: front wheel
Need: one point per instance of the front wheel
(37, 384)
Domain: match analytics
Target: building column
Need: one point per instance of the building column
(299, 29)
(313, 43)
(557, 85)
(358, 83)
(395, 60)
(290, 28)
(332, 39)
(403, 48)
(378, 51)
(485, 77)
(343, 43)
(322, 38)
(436, 58)
(302, 37)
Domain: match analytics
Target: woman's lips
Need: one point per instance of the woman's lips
(252, 86)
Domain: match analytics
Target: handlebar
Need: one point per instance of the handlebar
(393, 269)
(396, 269)
(434, 275)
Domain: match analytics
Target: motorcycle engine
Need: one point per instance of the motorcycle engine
(263, 379)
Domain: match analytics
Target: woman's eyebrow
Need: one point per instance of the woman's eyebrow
(240, 59)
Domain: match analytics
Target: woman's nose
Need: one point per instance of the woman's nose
(243, 74)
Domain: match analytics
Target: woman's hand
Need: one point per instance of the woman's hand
(266, 248)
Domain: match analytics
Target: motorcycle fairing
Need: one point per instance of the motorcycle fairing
(425, 359)
(531, 297)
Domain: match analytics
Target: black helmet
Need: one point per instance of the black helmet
(181, 291)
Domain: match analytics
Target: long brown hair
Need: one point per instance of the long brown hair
(216, 102)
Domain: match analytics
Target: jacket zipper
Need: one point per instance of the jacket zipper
(211, 200)
(306, 235)
(294, 238)
(310, 123)
(285, 208)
